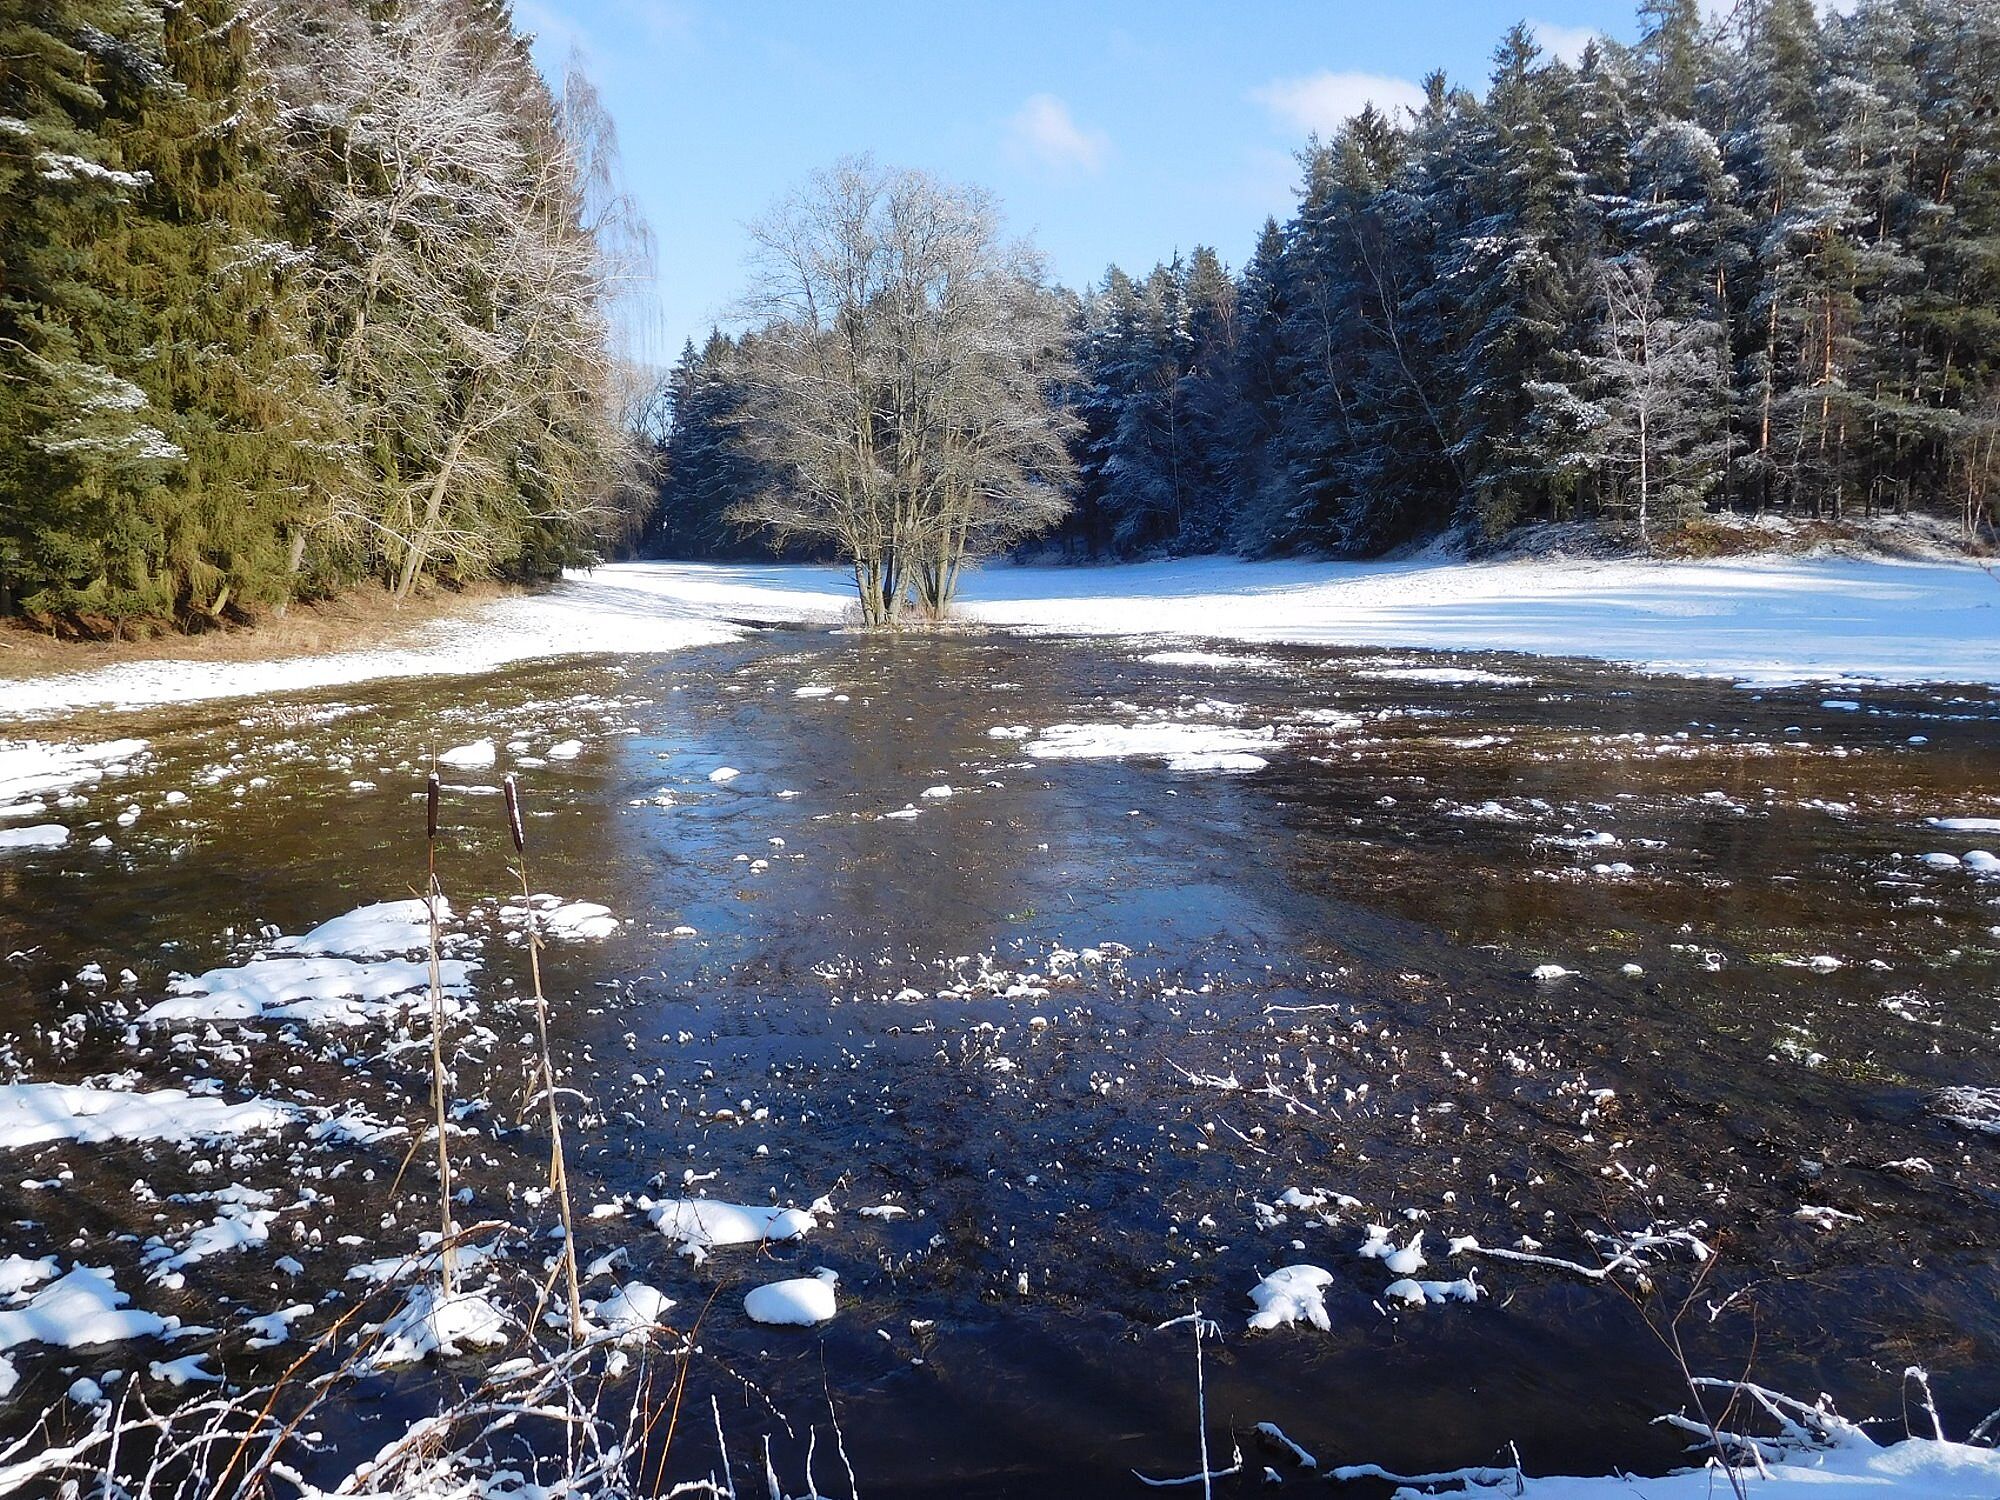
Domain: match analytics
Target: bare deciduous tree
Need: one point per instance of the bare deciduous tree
(468, 248)
(902, 368)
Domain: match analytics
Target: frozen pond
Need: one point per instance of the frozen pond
(1074, 985)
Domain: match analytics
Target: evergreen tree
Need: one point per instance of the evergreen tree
(82, 447)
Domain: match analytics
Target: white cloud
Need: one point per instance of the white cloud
(666, 22)
(1323, 102)
(1043, 132)
(1566, 42)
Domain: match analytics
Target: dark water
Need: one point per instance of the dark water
(1347, 934)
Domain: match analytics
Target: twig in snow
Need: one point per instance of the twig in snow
(1276, 1434)
(1923, 1379)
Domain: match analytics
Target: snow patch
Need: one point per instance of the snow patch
(430, 1323)
(85, 1307)
(1184, 747)
(698, 1225)
(32, 1114)
(799, 1302)
(1292, 1294)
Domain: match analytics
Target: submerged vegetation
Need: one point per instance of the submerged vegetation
(1403, 1013)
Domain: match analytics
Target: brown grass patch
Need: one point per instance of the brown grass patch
(360, 620)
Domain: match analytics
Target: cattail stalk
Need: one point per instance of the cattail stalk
(558, 1168)
(447, 1256)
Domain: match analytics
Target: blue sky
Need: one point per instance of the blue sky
(1116, 131)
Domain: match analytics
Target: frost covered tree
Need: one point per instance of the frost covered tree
(293, 294)
(460, 285)
(1661, 435)
(159, 408)
(902, 362)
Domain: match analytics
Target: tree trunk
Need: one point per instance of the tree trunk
(417, 545)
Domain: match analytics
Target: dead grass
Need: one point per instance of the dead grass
(1915, 537)
(357, 621)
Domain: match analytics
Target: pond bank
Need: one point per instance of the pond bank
(1761, 620)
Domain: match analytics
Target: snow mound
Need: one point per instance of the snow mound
(383, 929)
(1210, 659)
(699, 1225)
(85, 1307)
(1416, 1293)
(237, 1228)
(31, 768)
(18, 1273)
(632, 1308)
(563, 921)
(1292, 1294)
(1399, 1260)
(34, 1113)
(316, 991)
(476, 756)
(1968, 1107)
(800, 1302)
(1443, 676)
(1816, 1453)
(350, 970)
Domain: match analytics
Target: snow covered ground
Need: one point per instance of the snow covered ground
(612, 610)
(1763, 620)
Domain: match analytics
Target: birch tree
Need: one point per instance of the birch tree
(1659, 377)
